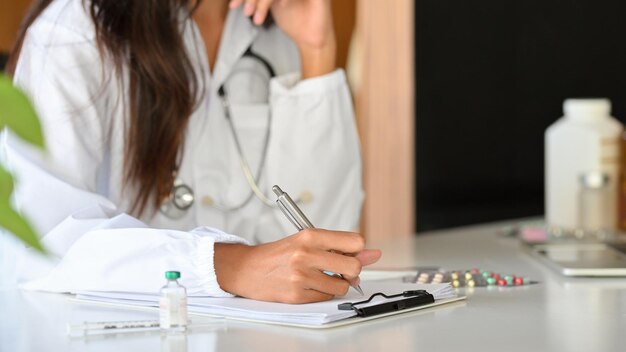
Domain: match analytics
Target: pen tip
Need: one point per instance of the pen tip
(359, 290)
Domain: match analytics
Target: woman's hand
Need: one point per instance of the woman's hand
(291, 270)
(307, 22)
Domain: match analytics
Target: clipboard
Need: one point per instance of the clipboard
(320, 315)
(450, 302)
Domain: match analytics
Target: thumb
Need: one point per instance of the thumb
(369, 256)
(366, 257)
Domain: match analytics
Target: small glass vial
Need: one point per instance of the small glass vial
(173, 304)
(595, 202)
(176, 342)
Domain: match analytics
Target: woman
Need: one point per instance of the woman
(134, 98)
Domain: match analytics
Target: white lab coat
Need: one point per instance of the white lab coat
(73, 193)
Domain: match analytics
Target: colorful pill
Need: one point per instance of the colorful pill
(454, 276)
(491, 281)
(486, 274)
(470, 283)
(456, 283)
(468, 276)
(518, 281)
(502, 282)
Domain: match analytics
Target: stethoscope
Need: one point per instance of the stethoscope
(182, 197)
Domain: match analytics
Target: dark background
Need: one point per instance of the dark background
(491, 76)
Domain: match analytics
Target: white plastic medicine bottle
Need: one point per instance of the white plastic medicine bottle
(585, 140)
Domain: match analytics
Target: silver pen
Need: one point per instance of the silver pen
(299, 220)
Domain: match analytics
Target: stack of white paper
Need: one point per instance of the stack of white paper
(302, 314)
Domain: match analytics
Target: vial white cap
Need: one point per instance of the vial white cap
(587, 108)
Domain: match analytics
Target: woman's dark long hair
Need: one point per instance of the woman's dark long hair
(145, 36)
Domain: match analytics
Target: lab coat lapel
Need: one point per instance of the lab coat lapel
(239, 33)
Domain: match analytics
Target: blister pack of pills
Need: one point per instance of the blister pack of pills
(469, 278)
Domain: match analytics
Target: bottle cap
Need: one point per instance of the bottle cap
(172, 275)
(586, 109)
(594, 179)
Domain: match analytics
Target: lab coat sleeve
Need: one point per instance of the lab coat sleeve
(119, 253)
(92, 245)
(314, 148)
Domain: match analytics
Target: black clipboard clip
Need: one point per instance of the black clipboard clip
(414, 298)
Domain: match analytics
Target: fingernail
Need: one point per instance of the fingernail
(357, 281)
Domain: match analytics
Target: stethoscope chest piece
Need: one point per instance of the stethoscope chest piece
(180, 200)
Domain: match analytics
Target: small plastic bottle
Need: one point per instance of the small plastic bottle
(173, 304)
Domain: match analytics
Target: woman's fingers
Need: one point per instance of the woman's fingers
(327, 248)
(249, 7)
(347, 266)
(327, 284)
(235, 3)
(322, 262)
(344, 242)
(305, 286)
(258, 9)
(262, 8)
(366, 257)
(369, 256)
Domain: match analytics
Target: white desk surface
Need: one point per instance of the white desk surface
(559, 314)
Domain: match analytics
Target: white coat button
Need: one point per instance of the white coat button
(207, 201)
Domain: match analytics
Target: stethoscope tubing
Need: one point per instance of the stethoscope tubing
(173, 209)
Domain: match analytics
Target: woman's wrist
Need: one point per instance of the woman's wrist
(318, 60)
(229, 261)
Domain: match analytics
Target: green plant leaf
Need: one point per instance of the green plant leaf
(6, 185)
(17, 225)
(17, 113)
